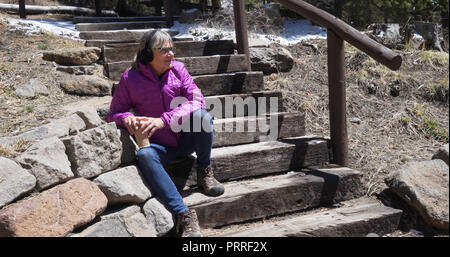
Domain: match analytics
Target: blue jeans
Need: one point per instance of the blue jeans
(151, 161)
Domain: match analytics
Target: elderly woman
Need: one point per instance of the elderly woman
(150, 88)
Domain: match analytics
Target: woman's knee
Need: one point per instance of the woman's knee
(205, 118)
(147, 154)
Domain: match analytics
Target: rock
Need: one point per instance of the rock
(86, 85)
(416, 41)
(69, 125)
(442, 154)
(31, 89)
(94, 151)
(103, 112)
(272, 12)
(387, 34)
(14, 181)
(62, 127)
(105, 228)
(157, 214)
(124, 185)
(73, 56)
(55, 212)
(129, 148)
(372, 235)
(78, 70)
(48, 162)
(128, 222)
(90, 116)
(355, 120)
(271, 60)
(189, 16)
(431, 33)
(425, 187)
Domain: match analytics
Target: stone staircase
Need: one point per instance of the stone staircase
(274, 174)
(264, 176)
(272, 171)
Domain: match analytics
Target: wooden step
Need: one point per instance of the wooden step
(215, 64)
(229, 83)
(268, 196)
(195, 65)
(356, 218)
(120, 25)
(250, 160)
(216, 105)
(102, 42)
(227, 102)
(84, 19)
(218, 86)
(119, 35)
(127, 51)
(253, 129)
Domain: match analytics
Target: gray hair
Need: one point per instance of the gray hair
(157, 40)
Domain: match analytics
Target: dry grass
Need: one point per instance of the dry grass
(384, 131)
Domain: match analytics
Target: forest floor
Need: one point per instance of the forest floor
(394, 117)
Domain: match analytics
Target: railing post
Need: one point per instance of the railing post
(240, 23)
(337, 98)
(22, 11)
(168, 11)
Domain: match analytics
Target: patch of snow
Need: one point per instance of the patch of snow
(295, 31)
(35, 26)
(191, 10)
(417, 36)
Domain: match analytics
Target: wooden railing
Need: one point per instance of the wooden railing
(337, 32)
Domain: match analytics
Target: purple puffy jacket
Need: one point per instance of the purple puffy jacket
(148, 96)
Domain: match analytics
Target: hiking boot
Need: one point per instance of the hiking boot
(188, 221)
(206, 180)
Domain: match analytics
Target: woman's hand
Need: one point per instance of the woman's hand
(131, 123)
(150, 125)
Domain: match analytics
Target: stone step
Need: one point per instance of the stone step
(102, 42)
(200, 65)
(256, 159)
(253, 129)
(85, 19)
(127, 51)
(119, 35)
(273, 195)
(356, 218)
(120, 25)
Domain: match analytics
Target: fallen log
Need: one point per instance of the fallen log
(37, 9)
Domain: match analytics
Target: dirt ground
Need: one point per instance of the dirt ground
(393, 116)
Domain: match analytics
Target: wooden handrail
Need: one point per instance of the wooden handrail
(337, 32)
(361, 41)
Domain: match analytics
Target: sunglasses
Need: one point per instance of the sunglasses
(166, 50)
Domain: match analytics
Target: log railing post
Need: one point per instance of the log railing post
(240, 23)
(22, 11)
(337, 98)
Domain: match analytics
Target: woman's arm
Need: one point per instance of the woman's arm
(120, 107)
(191, 93)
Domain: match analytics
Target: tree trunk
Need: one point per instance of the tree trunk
(22, 11)
(338, 8)
(98, 8)
(176, 7)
